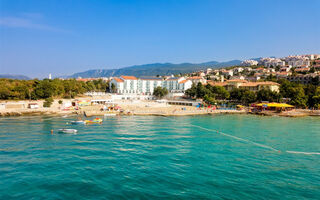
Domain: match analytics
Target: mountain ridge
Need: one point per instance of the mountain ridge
(154, 69)
(14, 76)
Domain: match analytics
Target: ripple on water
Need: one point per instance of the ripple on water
(157, 157)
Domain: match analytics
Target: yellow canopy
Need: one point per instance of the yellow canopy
(276, 105)
(240, 106)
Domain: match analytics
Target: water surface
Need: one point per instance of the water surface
(149, 157)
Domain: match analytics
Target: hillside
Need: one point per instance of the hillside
(154, 69)
(11, 76)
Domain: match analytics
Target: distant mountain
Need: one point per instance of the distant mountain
(11, 76)
(154, 69)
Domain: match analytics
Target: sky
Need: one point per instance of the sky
(63, 37)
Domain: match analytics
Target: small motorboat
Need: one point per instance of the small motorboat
(78, 122)
(94, 121)
(110, 114)
(65, 130)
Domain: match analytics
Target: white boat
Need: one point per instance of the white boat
(65, 130)
(110, 114)
(78, 122)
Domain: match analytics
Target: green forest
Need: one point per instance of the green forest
(301, 96)
(12, 89)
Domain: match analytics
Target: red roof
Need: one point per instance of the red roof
(267, 83)
(218, 83)
(302, 69)
(129, 77)
(118, 80)
(237, 80)
(183, 81)
(282, 73)
(194, 77)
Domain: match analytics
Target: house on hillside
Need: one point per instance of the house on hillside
(197, 79)
(252, 86)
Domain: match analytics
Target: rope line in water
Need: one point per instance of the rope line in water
(237, 138)
(306, 153)
(249, 141)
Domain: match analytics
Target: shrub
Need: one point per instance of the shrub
(47, 103)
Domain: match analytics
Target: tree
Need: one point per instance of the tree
(208, 99)
(218, 92)
(48, 102)
(271, 78)
(244, 96)
(298, 97)
(191, 92)
(248, 97)
(201, 91)
(316, 100)
(160, 92)
(312, 70)
(113, 87)
(268, 95)
(42, 89)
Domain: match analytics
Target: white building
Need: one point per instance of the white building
(237, 70)
(130, 84)
(119, 85)
(298, 61)
(209, 70)
(248, 69)
(237, 78)
(272, 62)
(226, 72)
(146, 85)
(197, 79)
(249, 63)
(177, 84)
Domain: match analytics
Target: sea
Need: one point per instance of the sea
(155, 157)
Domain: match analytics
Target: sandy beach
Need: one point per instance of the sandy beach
(128, 107)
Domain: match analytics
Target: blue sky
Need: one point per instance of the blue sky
(62, 37)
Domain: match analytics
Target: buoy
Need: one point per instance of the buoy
(51, 132)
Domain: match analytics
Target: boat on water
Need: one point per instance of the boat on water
(65, 130)
(78, 122)
(94, 121)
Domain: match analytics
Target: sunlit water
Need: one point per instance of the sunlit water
(151, 157)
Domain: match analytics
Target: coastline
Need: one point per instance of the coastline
(16, 113)
(140, 108)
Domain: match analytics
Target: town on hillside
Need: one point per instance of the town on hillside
(292, 81)
(251, 74)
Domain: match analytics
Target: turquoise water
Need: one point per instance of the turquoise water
(149, 157)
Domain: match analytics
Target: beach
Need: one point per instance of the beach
(128, 107)
(131, 107)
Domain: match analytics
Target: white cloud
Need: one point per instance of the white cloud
(18, 22)
(32, 15)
